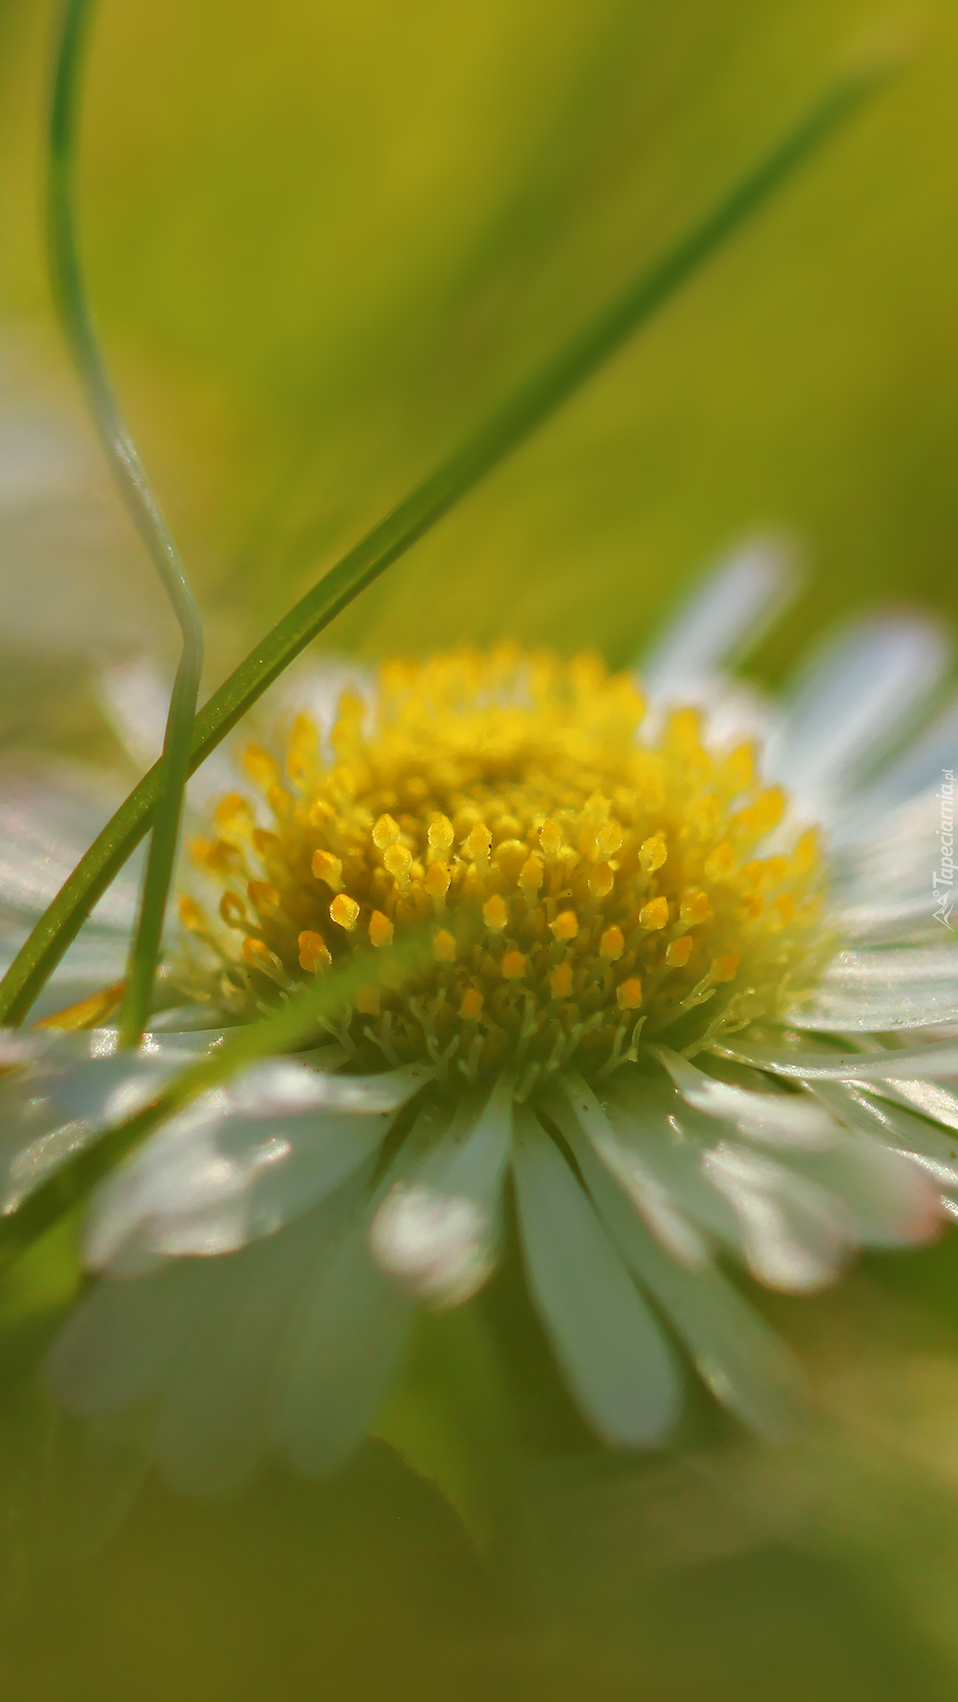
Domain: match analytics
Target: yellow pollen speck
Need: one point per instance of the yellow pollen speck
(807, 852)
(782, 912)
(385, 833)
(233, 814)
(440, 834)
(398, 860)
(258, 954)
(344, 911)
(550, 838)
(531, 875)
(609, 839)
(653, 854)
(566, 925)
(329, 869)
(721, 862)
(495, 913)
(725, 968)
(738, 769)
(261, 767)
(678, 953)
(477, 843)
(191, 915)
(313, 951)
(601, 880)
(694, 908)
(512, 804)
(233, 911)
(380, 929)
(655, 914)
(443, 946)
(436, 880)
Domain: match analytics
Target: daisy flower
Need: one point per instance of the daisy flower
(685, 1004)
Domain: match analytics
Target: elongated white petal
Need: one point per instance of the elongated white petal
(780, 1119)
(933, 1148)
(917, 769)
(829, 1012)
(49, 813)
(200, 1340)
(722, 617)
(342, 1350)
(739, 1358)
(913, 1063)
(897, 966)
(852, 700)
(928, 1097)
(52, 1110)
(612, 1351)
(212, 1422)
(437, 1231)
(574, 1099)
(796, 1234)
(236, 1165)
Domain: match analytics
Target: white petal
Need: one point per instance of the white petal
(212, 1423)
(727, 613)
(796, 1234)
(236, 1165)
(853, 699)
(780, 1119)
(609, 1345)
(625, 1162)
(438, 1229)
(342, 1351)
(49, 814)
(934, 1149)
(746, 1367)
(919, 768)
(913, 1063)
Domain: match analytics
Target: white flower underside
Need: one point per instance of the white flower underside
(281, 1234)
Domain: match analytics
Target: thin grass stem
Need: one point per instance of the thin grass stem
(174, 765)
(647, 293)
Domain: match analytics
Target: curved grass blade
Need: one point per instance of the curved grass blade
(282, 1031)
(174, 764)
(558, 379)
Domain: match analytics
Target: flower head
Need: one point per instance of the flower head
(580, 886)
(645, 997)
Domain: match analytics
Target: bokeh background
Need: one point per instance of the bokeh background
(322, 238)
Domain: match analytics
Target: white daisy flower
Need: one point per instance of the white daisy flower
(678, 1011)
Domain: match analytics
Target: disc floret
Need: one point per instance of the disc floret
(580, 887)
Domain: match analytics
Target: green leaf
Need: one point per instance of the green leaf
(558, 379)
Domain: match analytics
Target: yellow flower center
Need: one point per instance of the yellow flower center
(580, 888)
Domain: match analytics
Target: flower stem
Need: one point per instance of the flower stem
(174, 765)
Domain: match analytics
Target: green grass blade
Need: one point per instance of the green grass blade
(282, 1031)
(130, 477)
(632, 307)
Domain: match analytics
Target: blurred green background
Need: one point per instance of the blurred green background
(322, 239)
